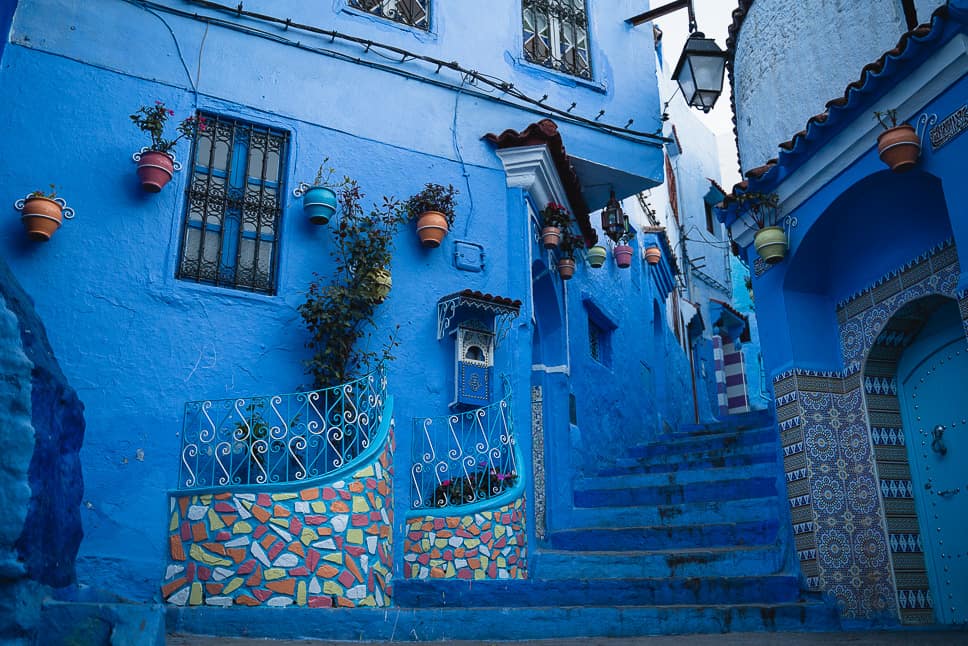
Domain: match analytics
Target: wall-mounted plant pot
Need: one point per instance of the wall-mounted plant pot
(550, 237)
(623, 256)
(566, 268)
(431, 228)
(319, 203)
(42, 216)
(899, 147)
(596, 256)
(384, 283)
(155, 169)
(771, 244)
(653, 255)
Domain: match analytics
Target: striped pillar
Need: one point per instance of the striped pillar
(735, 373)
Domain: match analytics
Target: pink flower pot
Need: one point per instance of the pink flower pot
(623, 256)
(155, 169)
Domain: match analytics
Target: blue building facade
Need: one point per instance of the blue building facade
(862, 319)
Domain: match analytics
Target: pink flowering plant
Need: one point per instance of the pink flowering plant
(473, 487)
(572, 243)
(152, 119)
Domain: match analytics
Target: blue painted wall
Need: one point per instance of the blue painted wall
(137, 343)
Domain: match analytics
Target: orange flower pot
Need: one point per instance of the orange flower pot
(899, 147)
(41, 216)
(431, 228)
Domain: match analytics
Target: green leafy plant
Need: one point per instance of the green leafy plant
(252, 434)
(324, 176)
(555, 215)
(473, 487)
(761, 208)
(433, 197)
(51, 194)
(572, 243)
(885, 117)
(339, 313)
(152, 120)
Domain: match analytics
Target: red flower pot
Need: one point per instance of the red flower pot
(155, 169)
(566, 268)
(623, 256)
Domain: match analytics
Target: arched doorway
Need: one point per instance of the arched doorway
(914, 378)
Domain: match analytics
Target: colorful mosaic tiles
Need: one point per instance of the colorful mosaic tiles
(321, 546)
(488, 544)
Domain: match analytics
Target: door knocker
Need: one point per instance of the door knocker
(937, 444)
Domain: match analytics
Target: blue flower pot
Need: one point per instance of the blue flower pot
(319, 203)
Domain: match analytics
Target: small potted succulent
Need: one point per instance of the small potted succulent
(554, 219)
(42, 213)
(433, 210)
(156, 164)
(572, 243)
(319, 198)
(770, 240)
(623, 250)
(899, 145)
(596, 256)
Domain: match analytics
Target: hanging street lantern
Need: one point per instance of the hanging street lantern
(700, 71)
(614, 221)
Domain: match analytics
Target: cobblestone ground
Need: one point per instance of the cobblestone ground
(893, 638)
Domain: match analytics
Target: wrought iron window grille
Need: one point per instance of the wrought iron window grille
(413, 13)
(556, 35)
(598, 340)
(234, 205)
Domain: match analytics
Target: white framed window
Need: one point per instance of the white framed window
(556, 35)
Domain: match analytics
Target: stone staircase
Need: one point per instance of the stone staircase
(681, 535)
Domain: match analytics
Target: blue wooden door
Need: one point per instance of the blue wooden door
(934, 402)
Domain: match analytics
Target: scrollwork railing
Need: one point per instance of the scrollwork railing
(279, 438)
(465, 457)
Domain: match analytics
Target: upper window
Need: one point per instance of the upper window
(231, 230)
(556, 35)
(415, 13)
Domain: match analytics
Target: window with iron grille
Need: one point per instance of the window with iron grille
(415, 13)
(598, 340)
(234, 205)
(556, 35)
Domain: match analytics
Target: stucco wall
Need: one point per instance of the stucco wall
(793, 57)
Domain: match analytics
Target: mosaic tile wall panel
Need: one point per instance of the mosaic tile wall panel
(829, 457)
(321, 547)
(488, 544)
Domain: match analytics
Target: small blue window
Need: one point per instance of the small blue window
(414, 13)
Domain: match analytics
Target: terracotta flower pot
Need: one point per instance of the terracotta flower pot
(653, 255)
(41, 217)
(155, 169)
(431, 228)
(384, 283)
(596, 256)
(319, 203)
(899, 147)
(623, 256)
(771, 244)
(550, 237)
(566, 268)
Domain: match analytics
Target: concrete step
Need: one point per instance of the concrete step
(744, 422)
(626, 466)
(759, 470)
(727, 441)
(597, 592)
(760, 532)
(659, 455)
(721, 490)
(512, 623)
(753, 560)
(689, 513)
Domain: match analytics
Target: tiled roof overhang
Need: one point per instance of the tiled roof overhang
(546, 132)
(875, 79)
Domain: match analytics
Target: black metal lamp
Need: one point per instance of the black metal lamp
(613, 220)
(700, 71)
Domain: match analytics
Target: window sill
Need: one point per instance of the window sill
(422, 34)
(563, 78)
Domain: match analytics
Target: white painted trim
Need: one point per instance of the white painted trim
(910, 96)
(540, 367)
(533, 169)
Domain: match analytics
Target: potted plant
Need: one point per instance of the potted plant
(473, 487)
(770, 240)
(340, 312)
(433, 209)
(899, 145)
(554, 219)
(572, 243)
(42, 213)
(319, 198)
(653, 255)
(156, 164)
(623, 250)
(596, 256)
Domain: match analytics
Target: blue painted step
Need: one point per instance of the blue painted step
(437, 624)
(644, 465)
(694, 513)
(677, 493)
(761, 532)
(660, 454)
(743, 422)
(760, 470)
(597, 592)
(726, 441)
(755, 560)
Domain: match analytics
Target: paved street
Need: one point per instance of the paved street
(893, 638)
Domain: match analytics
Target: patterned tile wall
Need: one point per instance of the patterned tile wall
(323, 546)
